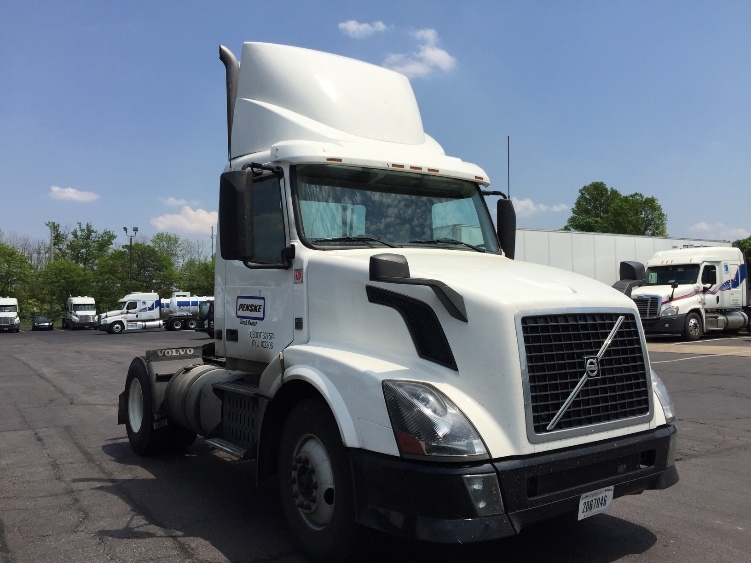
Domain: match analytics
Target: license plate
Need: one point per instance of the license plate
(595, 502)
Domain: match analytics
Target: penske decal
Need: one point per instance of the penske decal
(250, 307)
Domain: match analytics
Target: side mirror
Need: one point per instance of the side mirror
(236, 215)
(506, 227)
(706, 288)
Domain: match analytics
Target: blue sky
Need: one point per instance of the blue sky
(114, 112)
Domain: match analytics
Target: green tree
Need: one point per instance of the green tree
(169, 245)
(197, 276)
(61, 279)
(600, 209)
(85, 245)
(745, 245)
(15, 271)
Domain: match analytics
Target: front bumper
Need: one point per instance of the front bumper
(664, 325)
(429, 501)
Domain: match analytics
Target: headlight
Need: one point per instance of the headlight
(669, 311)
(427, 423)
(664, 397)
(16, 321)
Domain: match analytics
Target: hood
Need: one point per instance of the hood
(490, 278)
(681, 293)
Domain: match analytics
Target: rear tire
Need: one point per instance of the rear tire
(692, 328)
(139, 420)
(176, 324)
(315, 484)
(192, 324)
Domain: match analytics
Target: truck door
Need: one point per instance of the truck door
(258, 303)
(710, 286)
(730, 293)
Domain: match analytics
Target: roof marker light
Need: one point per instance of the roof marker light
(479, 178)
(397, 166)
(333, 159)
(415, 167)
(434, 170)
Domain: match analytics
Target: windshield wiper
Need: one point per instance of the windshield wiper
(356, 238)
(448, 241)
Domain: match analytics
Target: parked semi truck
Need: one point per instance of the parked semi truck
(596, 255)
(694, 291)
(9, 320)
(135, 311)
(80, 312)
(378, 352)
(182, 310)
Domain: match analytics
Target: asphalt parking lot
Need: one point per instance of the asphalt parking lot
(72, 490)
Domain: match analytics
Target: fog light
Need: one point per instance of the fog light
(485, 493)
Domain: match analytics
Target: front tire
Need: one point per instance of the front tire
(116, 328)
(139, 421)
(692, 328)
(315, 484)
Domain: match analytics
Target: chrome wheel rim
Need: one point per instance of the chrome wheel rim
(313, 489)
(693, 327)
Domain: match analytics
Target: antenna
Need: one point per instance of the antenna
(508, 166)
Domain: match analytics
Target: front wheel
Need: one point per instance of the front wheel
(315, 484)
(692, 328)
(139, 422)
(116, 328)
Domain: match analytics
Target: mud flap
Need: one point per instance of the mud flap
(122, 409)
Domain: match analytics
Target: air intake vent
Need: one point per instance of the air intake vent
(423, 325)
(556, 347)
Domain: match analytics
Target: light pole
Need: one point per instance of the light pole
(130, 253)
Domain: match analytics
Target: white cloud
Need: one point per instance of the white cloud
(427, 58)
(72, 194)
(175, 202)
(358, 30)
(527, 207)
(719, 231)
(189, 220)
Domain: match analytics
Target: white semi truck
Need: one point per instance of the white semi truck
(135, 311)
(9, 320)
(694, 291)
(181, 310)
(80, 312)
(378, 351)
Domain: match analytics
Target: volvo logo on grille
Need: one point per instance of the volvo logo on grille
(591, 371)
(592, 367)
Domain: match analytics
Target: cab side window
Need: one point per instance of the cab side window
(269, 237)
(709, 275)
(131, 306)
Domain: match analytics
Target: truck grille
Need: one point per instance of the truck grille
(649, 306)
(556, 347)
(6, 320)
(86, 318)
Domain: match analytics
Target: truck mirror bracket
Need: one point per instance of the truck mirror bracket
(394, 268)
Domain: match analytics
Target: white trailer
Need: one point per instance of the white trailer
(135, 311)
(9, 321)
(694, 291)
(181, 310)
(80, 312)
(595, 255)
(378, 352)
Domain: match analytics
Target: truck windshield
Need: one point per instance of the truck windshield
(8, 309)
(87, 307)
(667, 275)
(365, 207)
